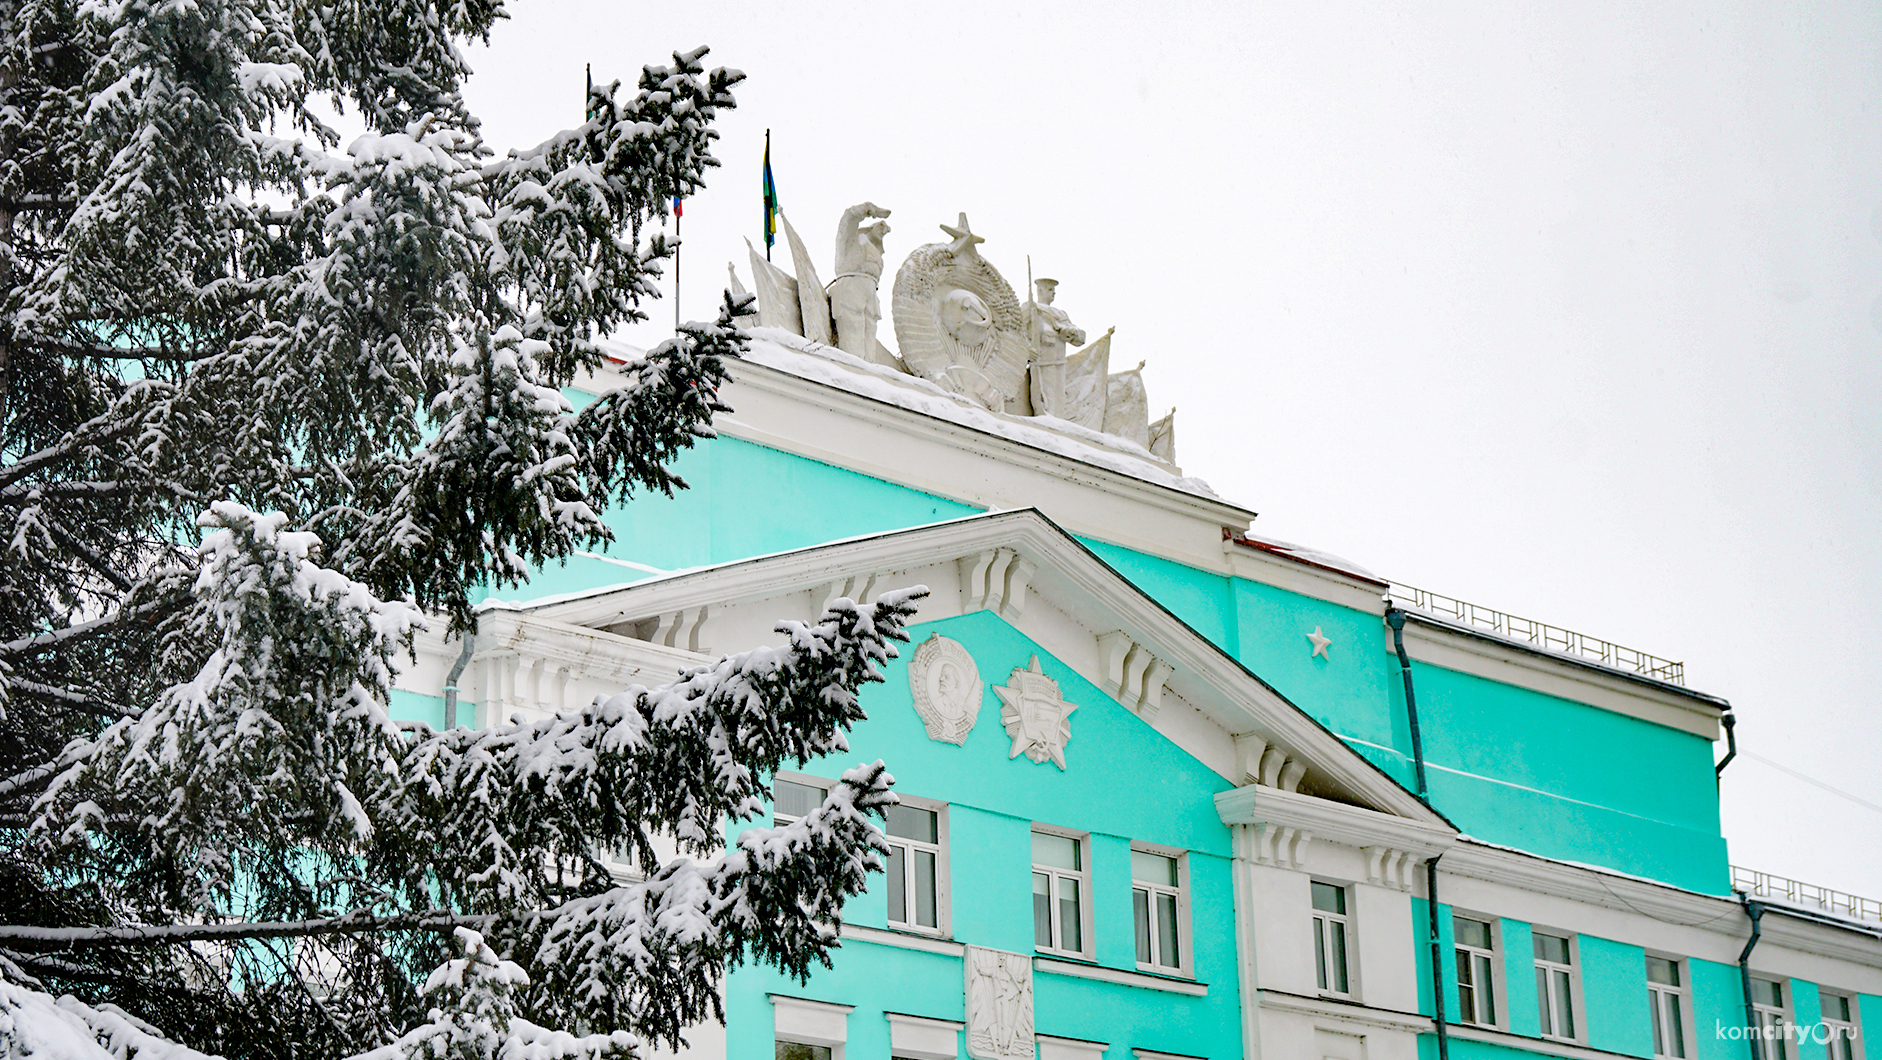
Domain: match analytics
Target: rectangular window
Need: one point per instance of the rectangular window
(1476, 980)
(795, 1051)
(1767, 1007)
(1157, 903)
(1666, 996)
(915, 866)
(1060, 879)
(793, 798)
(1839, 1022)
(1555, 986)
(1330, 930)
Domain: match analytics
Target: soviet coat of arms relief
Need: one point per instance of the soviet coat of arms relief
(1035, 714)
(946, 687)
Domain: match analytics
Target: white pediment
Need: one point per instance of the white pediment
(1033, 574)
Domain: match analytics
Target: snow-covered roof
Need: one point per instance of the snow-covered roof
(778, 349)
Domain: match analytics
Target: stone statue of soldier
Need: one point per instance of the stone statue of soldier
(1048, 329)
(853, 305)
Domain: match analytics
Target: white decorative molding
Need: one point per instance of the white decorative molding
(996, 580)
(945, 684)
(1337, 822)
(1132, 674)
(1204, 677)
(999, 1005)
(1051, 1048)
(1353, 1013)
(1386, 867)
(1102, 974)
(680, 629)
(922, 1038)
(1036, 716)
(901, 940)
(1320, 643)
(800, 1019)
(1281, 846)
(860, 588)
(1259, 762)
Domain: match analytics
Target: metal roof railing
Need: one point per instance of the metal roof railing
(1809, 895)
(1541, 634)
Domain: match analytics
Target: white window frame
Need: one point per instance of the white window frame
(1054, 874)
(1548, 987)
(1323, 942)
(1777, 1046)
(1850, 1030)
(1185, 958)
(1493, 956)
(939, 849)
(797, 778)
(1661, 997)
(802, 1021)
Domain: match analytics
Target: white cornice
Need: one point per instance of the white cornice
(784, 411)
(1066, 573)
(1304, 577)
(1658, 901)
(1542, 1046)
(1440, 644)
(1336, 822)
(1120, 976)
(1348, 1012)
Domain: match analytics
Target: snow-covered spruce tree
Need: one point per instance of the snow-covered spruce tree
(264, 404)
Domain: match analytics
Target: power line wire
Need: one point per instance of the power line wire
(1782, 768)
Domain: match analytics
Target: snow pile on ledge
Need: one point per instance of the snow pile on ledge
(1310, 555)
(779, 349)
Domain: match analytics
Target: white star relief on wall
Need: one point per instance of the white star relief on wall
(1320, 644)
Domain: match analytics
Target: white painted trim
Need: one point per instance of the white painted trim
(1069, 578)
(1117, 975)
(1304, 578)
(1055, 1048)
(800, 1019)
(1485, 655)
(1337, 822)
(784, 411)
(1152, 1054)
(1344, 1011)
(922, 1038)
(1544, 1046)
(924, 943)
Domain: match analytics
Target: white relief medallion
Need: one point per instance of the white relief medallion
(999, 1004)
(1035, 715)
(946, 686)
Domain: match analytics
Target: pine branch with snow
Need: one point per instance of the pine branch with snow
(268, 401)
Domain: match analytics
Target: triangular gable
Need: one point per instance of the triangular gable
(1022, 566)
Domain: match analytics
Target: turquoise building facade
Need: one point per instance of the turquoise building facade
(1239, 708)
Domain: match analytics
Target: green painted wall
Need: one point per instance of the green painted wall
(1519, 975)
(1510, 766)
(1614, 996)
(745, 500)
(1123, 782)
(412, 706)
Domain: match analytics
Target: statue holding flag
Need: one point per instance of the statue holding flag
(853, 304)
(1048, 329)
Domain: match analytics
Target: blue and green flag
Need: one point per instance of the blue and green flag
(771, 200)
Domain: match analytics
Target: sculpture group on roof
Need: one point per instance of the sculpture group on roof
(959, 325)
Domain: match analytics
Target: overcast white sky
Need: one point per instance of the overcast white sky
(1572, 309)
